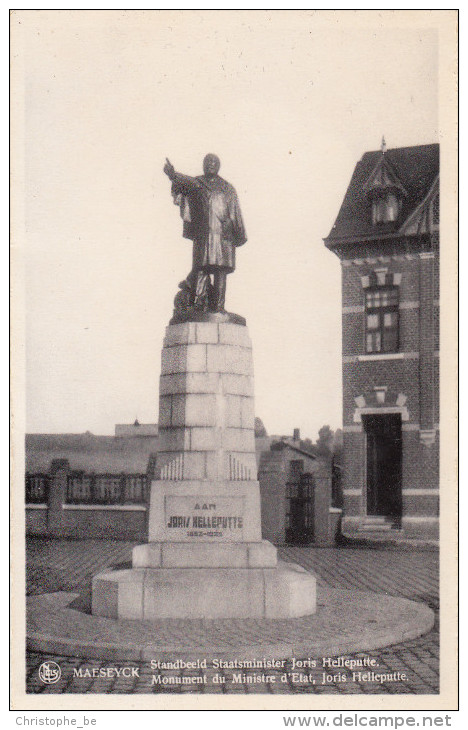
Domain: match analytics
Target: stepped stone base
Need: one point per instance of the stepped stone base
(205, 558)
(205, 555)
(422, 528)
(286, 591)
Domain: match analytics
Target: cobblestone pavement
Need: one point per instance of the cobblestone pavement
(410, 668)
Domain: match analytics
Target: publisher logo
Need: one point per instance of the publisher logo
(49, 672)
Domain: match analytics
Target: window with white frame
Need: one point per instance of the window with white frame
(382, 319)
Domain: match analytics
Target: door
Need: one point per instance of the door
(384, 457)
(300, 516)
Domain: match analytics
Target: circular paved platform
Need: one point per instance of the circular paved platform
(345, 622)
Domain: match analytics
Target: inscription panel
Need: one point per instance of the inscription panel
(204, 517)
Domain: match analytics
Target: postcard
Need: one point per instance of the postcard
(234, 397)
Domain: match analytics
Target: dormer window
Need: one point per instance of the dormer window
(384, 190)
(385, 207)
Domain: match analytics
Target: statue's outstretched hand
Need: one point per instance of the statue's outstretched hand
(169, 169)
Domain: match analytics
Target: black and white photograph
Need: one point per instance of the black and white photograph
(234, 274)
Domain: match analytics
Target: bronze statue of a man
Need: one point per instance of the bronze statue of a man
(212, 218)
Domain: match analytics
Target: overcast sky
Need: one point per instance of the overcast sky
(288, 100)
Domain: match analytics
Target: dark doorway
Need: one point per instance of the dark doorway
(384, 456)
(300, 515)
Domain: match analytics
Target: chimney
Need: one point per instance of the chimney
(297, 434)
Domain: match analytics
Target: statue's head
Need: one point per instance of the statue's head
(211, 165)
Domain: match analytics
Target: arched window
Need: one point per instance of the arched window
(392, 207)
(385, 208)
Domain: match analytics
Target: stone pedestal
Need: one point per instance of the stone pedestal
(205, 557)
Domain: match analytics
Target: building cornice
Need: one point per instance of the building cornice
(417, 242)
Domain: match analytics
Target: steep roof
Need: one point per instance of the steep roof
(415, 169)
(301, 447)
(101, 454)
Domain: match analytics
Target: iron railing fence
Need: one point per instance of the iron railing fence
(90, 488)
(37, 488)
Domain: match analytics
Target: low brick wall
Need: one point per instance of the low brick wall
(55, 508)
(60, 504)
(36, 519)
(83, 521)
(122, 523)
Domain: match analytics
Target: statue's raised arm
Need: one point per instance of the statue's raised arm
(180, 182)
(212, 219)
(169, 169)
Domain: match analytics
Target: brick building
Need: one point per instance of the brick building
(386, 236)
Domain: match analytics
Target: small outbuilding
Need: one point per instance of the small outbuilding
(296, 495)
